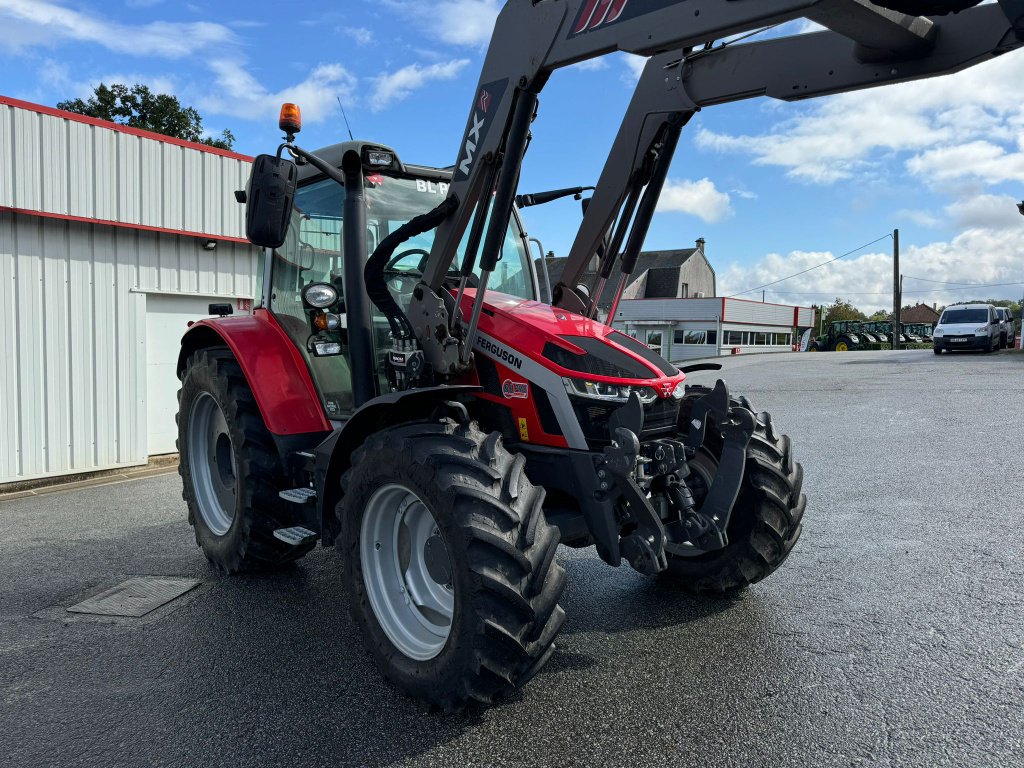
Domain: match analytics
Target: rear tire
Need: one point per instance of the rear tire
(503, 578)
(766, 520)
(229, 467)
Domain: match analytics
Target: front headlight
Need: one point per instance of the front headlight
(320, 295)
(854, 338)
(983, 329)
(936, 332)
(599, 390)
(680, 391)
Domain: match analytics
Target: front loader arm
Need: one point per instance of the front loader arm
(789, 69)
(532, 38)
(868, 44)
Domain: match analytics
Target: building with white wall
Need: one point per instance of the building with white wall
(685, 329)
(111, 240)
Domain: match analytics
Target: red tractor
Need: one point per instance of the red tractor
(397, 397)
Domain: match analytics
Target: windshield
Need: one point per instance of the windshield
(964, 316)
(312, 253)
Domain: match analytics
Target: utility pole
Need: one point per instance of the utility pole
(897, 290)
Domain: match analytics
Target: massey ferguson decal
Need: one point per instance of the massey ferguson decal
(501, 353)
(479, 123)
(598, 14)
(517, 390)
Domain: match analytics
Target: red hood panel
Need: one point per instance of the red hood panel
(526, 326)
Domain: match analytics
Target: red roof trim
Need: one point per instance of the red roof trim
(74, 117)
(122, 224)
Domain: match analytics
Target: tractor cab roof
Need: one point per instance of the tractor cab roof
(334, 153)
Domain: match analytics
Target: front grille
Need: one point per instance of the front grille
(660, 417)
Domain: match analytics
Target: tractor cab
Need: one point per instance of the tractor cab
(302, 281)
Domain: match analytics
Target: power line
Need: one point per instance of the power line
(811, 269)
(889, 293)
(965, 285)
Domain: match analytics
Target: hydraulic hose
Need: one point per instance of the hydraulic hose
(373, 272)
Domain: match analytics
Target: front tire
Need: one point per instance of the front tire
(229, 468)
(766, 520)
(495, 617)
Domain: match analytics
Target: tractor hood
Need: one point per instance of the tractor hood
(567, 342)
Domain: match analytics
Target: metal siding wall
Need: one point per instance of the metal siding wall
(670, 310)
(73, 386)
(756, 312)
(56, 165)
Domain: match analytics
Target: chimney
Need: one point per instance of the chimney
(935, 306)
(700, 244)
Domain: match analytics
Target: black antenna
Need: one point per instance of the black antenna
(350, 136)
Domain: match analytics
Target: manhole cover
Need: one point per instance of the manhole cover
(135, 597)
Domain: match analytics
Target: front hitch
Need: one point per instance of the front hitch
(705, 528)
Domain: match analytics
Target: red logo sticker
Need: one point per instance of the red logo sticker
(597, 13)
(516, 390)
(485, 101)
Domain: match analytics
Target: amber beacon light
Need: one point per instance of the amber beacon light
(291, 119)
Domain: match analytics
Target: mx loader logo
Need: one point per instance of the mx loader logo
(479, 123)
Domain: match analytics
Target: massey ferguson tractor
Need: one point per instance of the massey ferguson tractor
(401, 394)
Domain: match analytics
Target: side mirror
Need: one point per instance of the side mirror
(269, 200)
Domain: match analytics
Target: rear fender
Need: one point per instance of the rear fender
(273, 367)
(334, 455)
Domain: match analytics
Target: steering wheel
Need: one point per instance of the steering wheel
(405, 280)
(418, 272)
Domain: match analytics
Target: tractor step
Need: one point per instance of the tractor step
(298, 495)
(296, 536)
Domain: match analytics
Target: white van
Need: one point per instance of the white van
(967, 326)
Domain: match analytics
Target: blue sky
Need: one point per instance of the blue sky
(775, 188)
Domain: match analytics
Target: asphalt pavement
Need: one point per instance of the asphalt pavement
(894, 635)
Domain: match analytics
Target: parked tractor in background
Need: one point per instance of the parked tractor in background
(447, 437)
(846, 336)
(882, 331)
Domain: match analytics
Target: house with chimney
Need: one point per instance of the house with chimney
(673, 274)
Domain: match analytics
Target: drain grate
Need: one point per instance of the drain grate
(135, 597)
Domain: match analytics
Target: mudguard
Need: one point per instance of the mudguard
(273, 367)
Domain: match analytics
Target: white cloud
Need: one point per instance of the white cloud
(977, 256)
(634, 68)
(361, 35)
(590, 65)
(697, 198)
(980, 159)
(458, 22)
(390, 87)
(35, 22)
(237, 93)
(994, 212)
(843, 135)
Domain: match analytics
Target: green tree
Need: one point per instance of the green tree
(880, 315)
(139, 107)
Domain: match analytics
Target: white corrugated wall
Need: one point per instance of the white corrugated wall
(73, 314)
(57, 165)
(74, 294)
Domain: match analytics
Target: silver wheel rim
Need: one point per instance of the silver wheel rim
(407, 572)
(212, 464)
